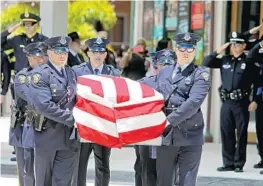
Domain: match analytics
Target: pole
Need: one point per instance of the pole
(164, 19)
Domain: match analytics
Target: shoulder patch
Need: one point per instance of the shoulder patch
(205, 75)
(22, 78)
(36, 78)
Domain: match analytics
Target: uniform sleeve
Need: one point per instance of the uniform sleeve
(212, 61)
(247, 35)
(42, 101)
(257, 84)
(20, 86)
(254, 55)
(6, 70)
(197, 94)
(6, 43)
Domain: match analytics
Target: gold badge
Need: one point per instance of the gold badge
(22, 79)
(36, 78)
(205, 76)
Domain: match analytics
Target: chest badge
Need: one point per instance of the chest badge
(226, 66)
(243, 66)
(22, 79)
(187, 80)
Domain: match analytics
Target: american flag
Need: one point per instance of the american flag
(116, 111)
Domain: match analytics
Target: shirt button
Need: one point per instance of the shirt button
(195, 125)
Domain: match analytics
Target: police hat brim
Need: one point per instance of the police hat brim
(186, 45)
(97, 49)
(237, 40)
(60, 49)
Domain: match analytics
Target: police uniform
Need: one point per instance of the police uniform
(73, 57)
(101, 153)
(184, 88)
(52, 91)
(147, 154)
(237, 76)
(20, 41)
(21, 87)
(256, 55)
(5, 73)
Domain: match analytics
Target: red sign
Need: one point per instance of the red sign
(197, 15)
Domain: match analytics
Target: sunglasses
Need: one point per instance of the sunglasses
(183, 49)
(97, 52)
(29, 24)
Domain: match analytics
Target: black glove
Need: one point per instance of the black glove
(167, 130)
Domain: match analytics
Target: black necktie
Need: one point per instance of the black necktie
(96, 71)
(178, 70)
(62, 72)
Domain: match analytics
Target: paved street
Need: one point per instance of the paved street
(122, 166)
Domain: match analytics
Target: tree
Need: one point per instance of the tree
(81, 16)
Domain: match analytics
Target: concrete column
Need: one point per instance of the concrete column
(54, 15)
(138, 20)
(219, 39)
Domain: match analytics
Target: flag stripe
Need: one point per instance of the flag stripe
(123, 94)
(147, 91)
(135, 90)
(142, 134)
(155, 141)
(95, 123)
(138, 122)
(95, 86)
(95, 109)
(138, 109)
(97, 137)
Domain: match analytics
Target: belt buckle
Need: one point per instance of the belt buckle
(231, 95)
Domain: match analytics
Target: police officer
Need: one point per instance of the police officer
(52, 91)
(74, 56)
(147, 153)
(237, 77)
(6, 71)
(30, 23)
(97, 54)
(36, 54)
(256, 55)
(185, 87)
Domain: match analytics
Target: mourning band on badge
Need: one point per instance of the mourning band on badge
(36, 78)
(28, 79)
(22, 79)
(205, 75)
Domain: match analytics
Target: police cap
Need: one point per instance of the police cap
(235, 37)
(36, 49)
(187, 39)
(97, 44)
(29, 17)
(58, 44)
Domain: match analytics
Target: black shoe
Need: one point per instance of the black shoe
(261, 172)
(13, 159)
(259, 165)
(238, 169)
(226, 168)
(13, 152)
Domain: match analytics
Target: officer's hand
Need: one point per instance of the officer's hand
(13, 28)
(252, 106)
(2, 98)
(222, 48)
(255, 29)
(167, 130)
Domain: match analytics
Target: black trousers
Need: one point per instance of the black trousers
(259, 128)
(148, 167)
(234, 115)
(137, 167)
(102, 167)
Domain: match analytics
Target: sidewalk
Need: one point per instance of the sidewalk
(122, 164)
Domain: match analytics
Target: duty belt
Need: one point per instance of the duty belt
(236, 95)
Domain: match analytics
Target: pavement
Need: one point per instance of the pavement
(122, 160)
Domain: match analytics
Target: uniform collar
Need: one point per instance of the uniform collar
(100, 69)
(56, 67)
(72, 52)
(183, 67)
(32, 39)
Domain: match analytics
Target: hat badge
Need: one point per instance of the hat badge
(99, 41)
(234, 34)
(63, 40)
(187, 36)
(166, 53)
(26, 14)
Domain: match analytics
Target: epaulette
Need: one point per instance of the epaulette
(79, 66)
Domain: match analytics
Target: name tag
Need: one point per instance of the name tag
(243, 66)
(226, 66)
(21, 46)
